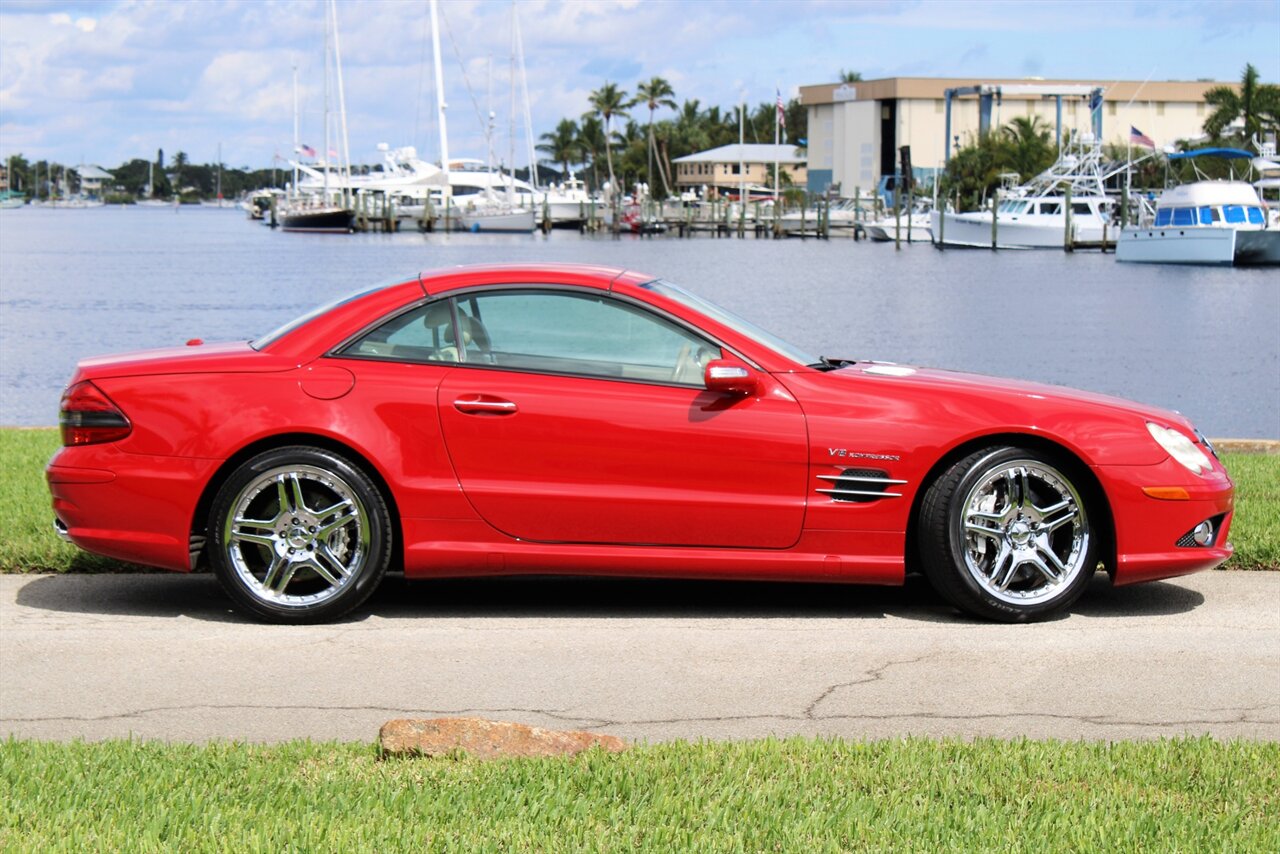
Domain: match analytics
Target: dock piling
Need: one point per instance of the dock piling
(995, 206)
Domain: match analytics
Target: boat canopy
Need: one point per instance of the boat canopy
(1230, 153)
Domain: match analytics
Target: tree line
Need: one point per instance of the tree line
(617, 139)
(43, 179)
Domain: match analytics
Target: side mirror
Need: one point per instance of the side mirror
(729, 377)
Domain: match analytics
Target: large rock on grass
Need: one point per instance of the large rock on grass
(485, 739)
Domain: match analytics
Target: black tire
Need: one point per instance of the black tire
(299, 535)
(998, 525)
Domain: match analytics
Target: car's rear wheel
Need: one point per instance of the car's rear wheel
(1005, 534)
(299, 535)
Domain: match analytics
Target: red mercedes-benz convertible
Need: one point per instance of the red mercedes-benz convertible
(583, 420)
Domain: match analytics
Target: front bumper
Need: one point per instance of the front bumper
(1151, 534)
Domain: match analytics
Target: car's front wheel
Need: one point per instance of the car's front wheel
(299, 535)
(1005, 534)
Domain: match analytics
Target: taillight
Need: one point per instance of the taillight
(88, 416)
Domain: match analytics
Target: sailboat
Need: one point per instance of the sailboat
(326, 213)
(483, 211)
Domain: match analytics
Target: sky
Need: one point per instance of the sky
(105, 81)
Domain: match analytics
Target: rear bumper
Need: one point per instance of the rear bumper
(130, 507)
(1148, 530)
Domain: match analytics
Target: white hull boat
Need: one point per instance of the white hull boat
(497, 219)
(1206, 222)
(843, 214)
(916, 228)
(1035, 215)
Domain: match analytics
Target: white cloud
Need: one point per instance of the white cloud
(140, 73)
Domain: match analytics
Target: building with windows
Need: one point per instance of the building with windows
(92, 180)
(723, 170)
(856, 129)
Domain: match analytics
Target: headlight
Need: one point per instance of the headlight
(1180, 447)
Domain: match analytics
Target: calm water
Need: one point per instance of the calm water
(75, 283)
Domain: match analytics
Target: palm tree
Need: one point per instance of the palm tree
(850, 76)
(657, 92)
(591, 140)
(1258, 104)
(1031, 152)
(609, 101)
(563, 145)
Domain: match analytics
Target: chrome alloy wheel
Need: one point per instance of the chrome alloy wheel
(297, 536)
(1025, 537)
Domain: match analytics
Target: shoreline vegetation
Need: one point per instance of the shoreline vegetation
(29, 545)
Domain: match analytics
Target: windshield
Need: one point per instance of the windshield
(731, 320)
(276, 334)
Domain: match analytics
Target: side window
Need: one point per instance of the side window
(1234, 213)
(582, 334)
(1164, 216)
(1206, 215)
(1184, 216)
(423, 334)
(1255, 216)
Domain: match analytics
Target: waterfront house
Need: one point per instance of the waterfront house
(723, 170)
(92, 180)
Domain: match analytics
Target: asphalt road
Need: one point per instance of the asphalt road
(161, 656)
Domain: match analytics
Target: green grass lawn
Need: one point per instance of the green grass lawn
(799, 795)
(28, 544)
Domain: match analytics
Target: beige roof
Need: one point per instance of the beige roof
(751, 152)
(889, 88)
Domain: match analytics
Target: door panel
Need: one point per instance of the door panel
(577, 459)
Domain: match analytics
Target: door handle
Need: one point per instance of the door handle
(480, 405)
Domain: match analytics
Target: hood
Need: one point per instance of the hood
(911, 375)
(932, 402)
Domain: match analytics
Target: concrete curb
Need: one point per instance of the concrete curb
(1247, 446)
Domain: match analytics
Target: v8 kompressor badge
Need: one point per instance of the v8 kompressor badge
(860, 455)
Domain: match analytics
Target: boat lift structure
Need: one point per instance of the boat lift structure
(989, 93)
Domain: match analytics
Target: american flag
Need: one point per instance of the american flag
(307, 151)
(1137, 137)
(782, 111)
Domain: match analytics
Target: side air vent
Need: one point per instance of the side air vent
(860, 485)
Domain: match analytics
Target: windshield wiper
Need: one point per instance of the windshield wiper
(826, 363)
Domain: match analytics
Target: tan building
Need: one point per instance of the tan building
(855, 129)
(726, 168)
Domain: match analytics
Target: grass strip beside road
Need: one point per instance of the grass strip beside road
(28, 544)
(792, 795)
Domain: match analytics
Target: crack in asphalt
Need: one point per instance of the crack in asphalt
(1237, 716)
(1242, 716)
(875, 674)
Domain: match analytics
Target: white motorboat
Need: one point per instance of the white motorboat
(842, 213)
(915, 226)
(1205, 222)
(1035, 215)
(568, 205)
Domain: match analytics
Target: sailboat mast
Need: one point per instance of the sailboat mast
(511, 114)
(441, 106)
(328, 65)
(524, 91)
(342, 108)
(297, 143)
